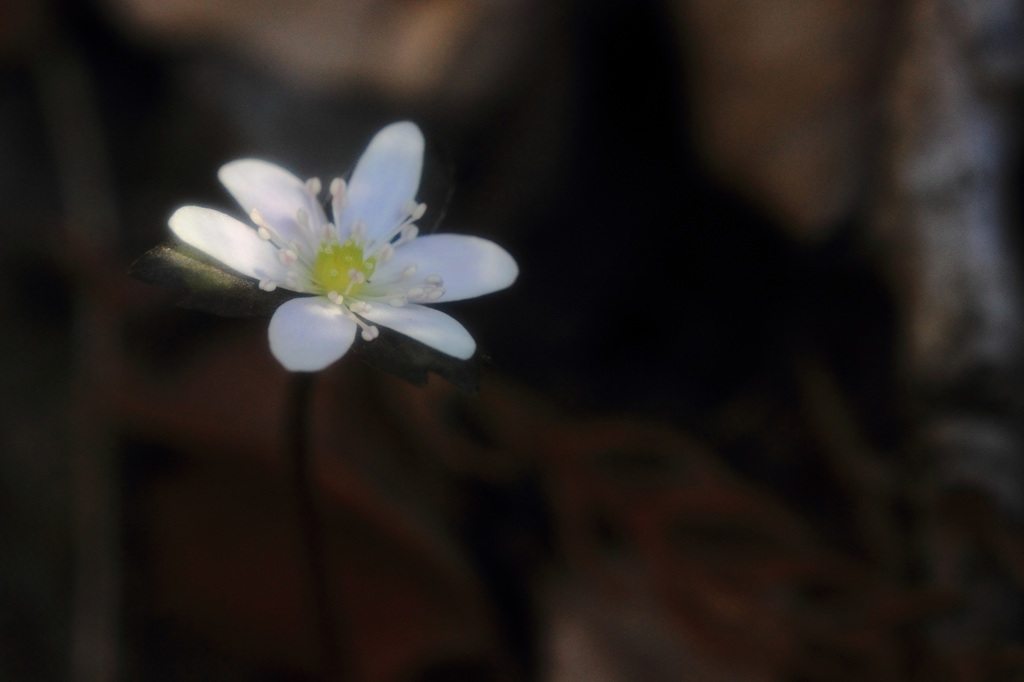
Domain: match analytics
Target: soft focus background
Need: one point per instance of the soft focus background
(752, 411)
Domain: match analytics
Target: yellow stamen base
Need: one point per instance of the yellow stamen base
(342, 268)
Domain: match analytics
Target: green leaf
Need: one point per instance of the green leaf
(204, 284)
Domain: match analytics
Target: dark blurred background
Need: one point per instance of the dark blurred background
(751, 412)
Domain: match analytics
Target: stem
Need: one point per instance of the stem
(310, 523)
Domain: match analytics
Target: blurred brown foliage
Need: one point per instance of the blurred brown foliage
(750, 413)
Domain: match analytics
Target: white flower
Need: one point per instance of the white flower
(368, 267)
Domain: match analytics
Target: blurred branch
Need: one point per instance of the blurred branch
(70, 111)
(873, 489)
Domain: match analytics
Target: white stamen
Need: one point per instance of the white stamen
(369, 331)
(267, 285)
(409, 271)
(313, 186)
(433, 279)
(397, 302)
(335, 298)
(339, 193)
(287, 256)
(418, 212)
(409, 232)
(264, 233)
(415, 292)
(256, 217)
(435, 294)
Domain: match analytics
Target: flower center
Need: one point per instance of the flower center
(341, 268)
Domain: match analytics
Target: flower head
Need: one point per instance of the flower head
(364, 267)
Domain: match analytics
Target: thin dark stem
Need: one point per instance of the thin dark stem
(310, 524)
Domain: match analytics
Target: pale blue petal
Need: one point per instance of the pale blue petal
(278, 196)
(469, 266)
(229, 241)
(429, 326)
(384, 181)
(308, 334)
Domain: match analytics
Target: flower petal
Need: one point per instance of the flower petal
(233, 243)
(429, 326)
(278, 196)
(384, 181)
(469, 266)
(308, 334)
